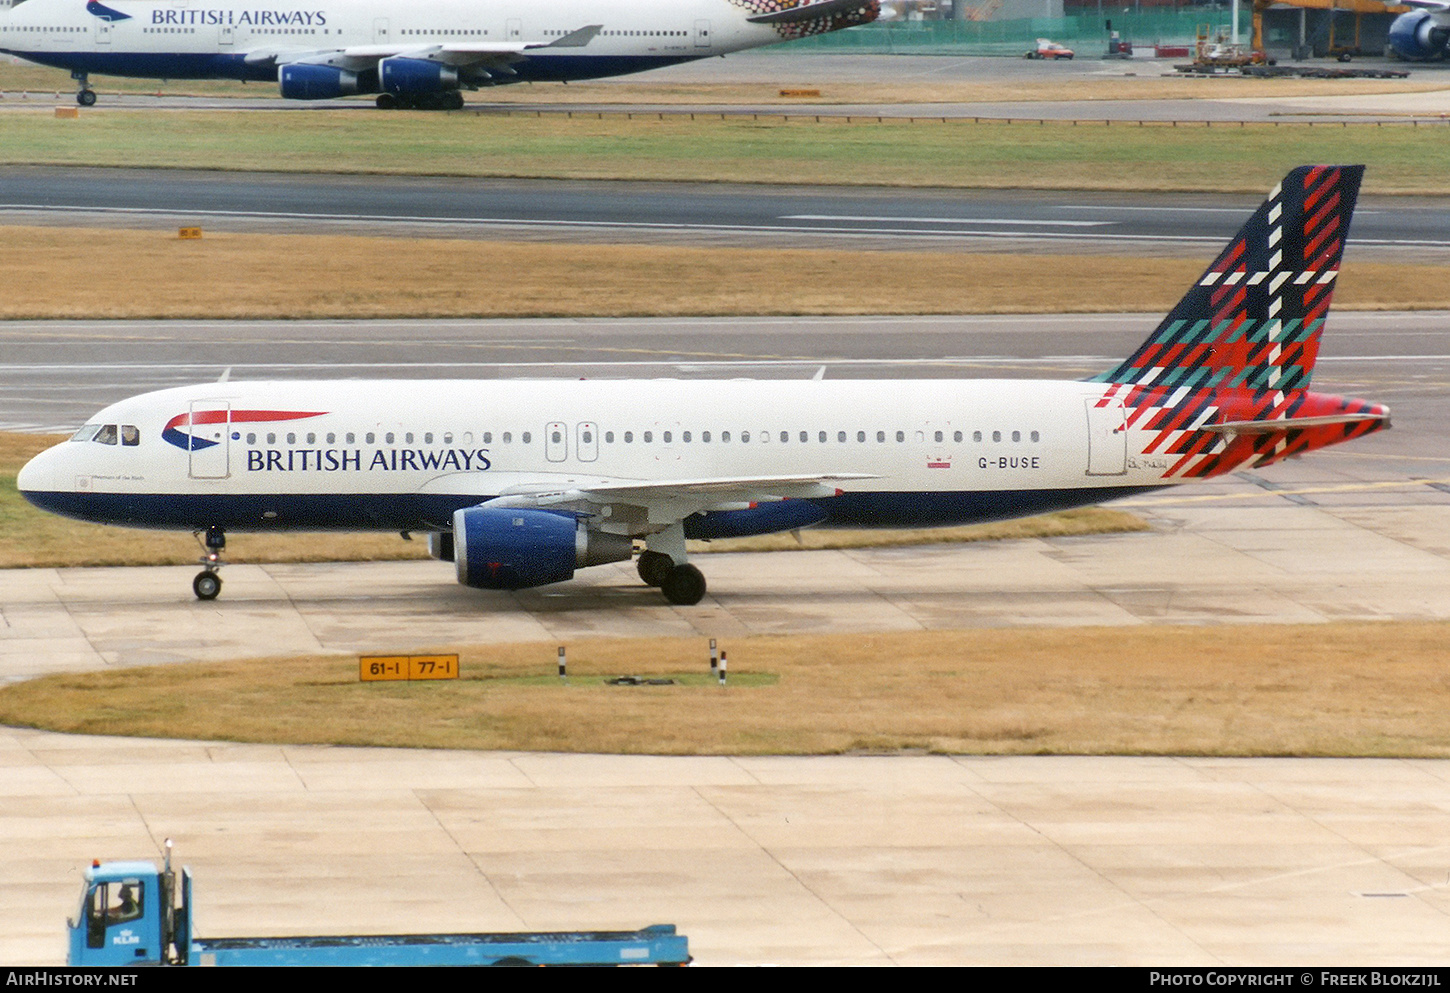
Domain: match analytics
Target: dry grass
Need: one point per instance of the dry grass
(1339, 689)
(30, 538)
(152, 274)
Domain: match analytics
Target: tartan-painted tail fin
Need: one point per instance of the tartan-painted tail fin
(1253, 319)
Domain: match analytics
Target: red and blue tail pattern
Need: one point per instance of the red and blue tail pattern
(1223, 381)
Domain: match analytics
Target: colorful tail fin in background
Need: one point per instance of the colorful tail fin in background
(1252, 321)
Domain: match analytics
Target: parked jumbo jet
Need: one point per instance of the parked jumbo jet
(411, 53)
(521, 483)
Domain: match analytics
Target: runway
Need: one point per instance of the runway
(1407, 229)
(55, 374)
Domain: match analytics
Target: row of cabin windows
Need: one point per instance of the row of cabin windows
(646, 437)
(389, 437)
(822, 437)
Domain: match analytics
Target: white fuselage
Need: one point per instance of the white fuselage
(456, 443)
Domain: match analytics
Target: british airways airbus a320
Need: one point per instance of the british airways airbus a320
(411, 53)
(521, 483)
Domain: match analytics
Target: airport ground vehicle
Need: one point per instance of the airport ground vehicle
(1048, 49)
(133, 914)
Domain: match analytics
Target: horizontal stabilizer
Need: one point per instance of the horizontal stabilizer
(1274, 425)
(809, 12)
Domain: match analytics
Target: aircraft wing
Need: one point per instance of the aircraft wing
(669, 500)
(462, 54)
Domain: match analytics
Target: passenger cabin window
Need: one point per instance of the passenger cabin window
(526, 437)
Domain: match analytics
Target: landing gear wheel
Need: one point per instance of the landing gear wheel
(453, 101)
(685, 586)
(654, 567)
(86, 98)
(387, 101)
(206, 585)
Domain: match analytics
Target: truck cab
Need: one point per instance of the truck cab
(127, 916)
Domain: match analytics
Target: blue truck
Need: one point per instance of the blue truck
(133, 914)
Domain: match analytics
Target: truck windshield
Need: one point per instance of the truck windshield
(112, 903)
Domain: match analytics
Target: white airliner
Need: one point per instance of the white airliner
(411, 53)
(521, 483)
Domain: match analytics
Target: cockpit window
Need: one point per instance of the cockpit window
(107, 434)
(130, 434)
(86, 433)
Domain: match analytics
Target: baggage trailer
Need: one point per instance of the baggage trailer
(133, 914)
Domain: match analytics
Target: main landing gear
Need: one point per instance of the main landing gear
(85, 96)
(681, 583)
(207, 583)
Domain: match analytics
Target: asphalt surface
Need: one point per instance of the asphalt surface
(55, 374)
(1411, 229)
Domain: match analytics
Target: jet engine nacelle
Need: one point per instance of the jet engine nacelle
(1419, 36)
(415, 77)
(310, 82)
(507, 549)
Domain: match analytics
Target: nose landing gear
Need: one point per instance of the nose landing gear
(207, 583)
(85, 96)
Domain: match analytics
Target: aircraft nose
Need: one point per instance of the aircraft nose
(37, 475)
